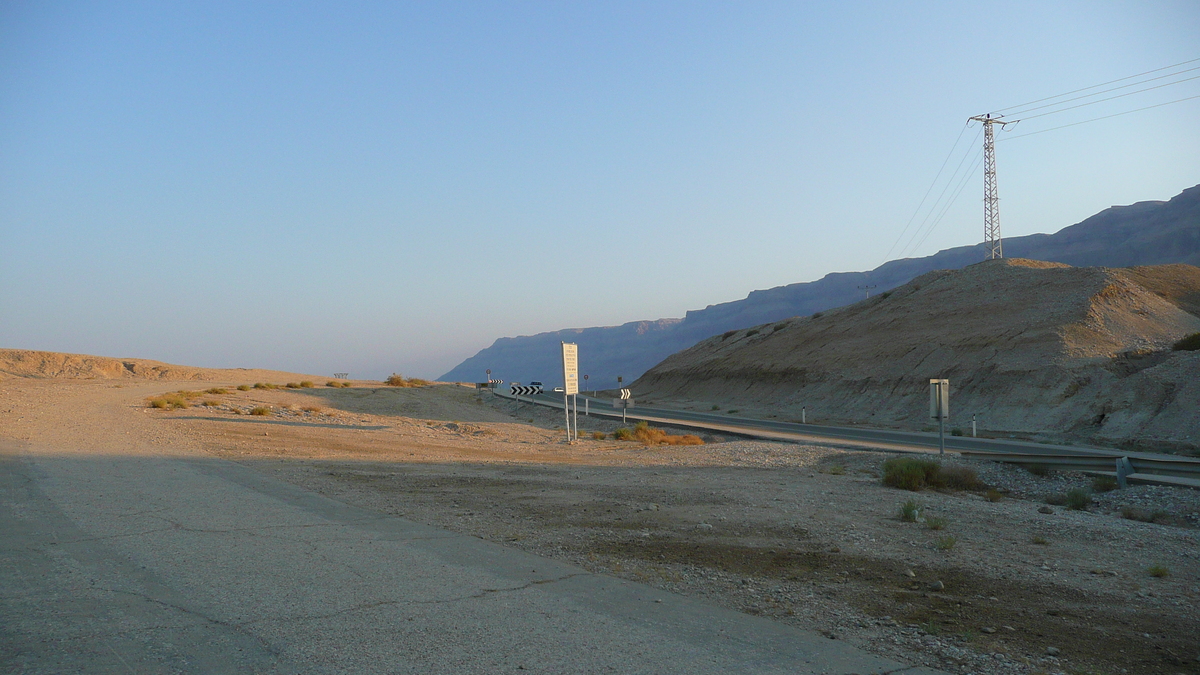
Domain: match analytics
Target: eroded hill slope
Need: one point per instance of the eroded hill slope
(1067, 352)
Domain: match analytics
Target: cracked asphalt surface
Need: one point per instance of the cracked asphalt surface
(156, 559)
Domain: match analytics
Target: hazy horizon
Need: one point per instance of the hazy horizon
(376, 188)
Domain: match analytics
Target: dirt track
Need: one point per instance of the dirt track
(803, 534)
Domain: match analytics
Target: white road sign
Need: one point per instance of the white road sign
(570, 355)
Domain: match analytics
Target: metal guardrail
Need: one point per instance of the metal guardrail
(1124, 467)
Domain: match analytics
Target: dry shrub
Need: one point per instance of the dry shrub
(306, 384)
(243, 387)
(174, 400)
(398, 380)
(651, 436)
(311, 409)
(910, 473)
(1190, 343)
(293, 385)
(210, 403)
(216, 390)
(622, 434)
(260, 410)
(960, 478)
(598, 435)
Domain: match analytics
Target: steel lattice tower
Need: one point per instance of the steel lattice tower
(991, 194)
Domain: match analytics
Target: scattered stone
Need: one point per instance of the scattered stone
(1045, 509)
(909, 573)
(1052, 651)
(937, 586)
(987, 629)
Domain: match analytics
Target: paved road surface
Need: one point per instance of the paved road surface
(151, 563)
(854, 436)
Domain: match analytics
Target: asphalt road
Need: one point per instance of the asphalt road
(159, 563)
(858, 436)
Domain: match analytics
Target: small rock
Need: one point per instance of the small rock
(987, 629)
(1045, 509)
(1052, 651)
(909, 573)
(937, 586)
(1009, 629)
(704, 526)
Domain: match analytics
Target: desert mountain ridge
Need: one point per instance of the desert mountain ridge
(1069, 353)
(1144, 233)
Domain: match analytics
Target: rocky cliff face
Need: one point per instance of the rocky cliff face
(1071, 353)
(1146, 233)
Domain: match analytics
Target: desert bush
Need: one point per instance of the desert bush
(994, 495)
(398, 380)
(911, 473)
(945, 543)
(816, 315)
(837, 470)
(885, 295)
(1133, 513)
(936, 523)
(716, 407)
(647, 434)
(623, 434)
(728, 334)
(960, 478)
(1159, 571)
(311, 409)
(779, 326)
(1056, 499)
(333, 383)
(243, 387)
(176, 400)
(751, 332)
(1039, 540)
(217, 390)
(210, 403)
(1038, 469)
(1190, 343)
(1078, 499)
(909, 511)
(1104, 483)
(598, 435)
(260, 410)
(306, 384)
(292, 385)
(733, 411)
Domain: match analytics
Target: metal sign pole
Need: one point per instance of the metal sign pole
(575, 400)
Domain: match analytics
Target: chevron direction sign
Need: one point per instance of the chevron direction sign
(524, 390)
(625, 393)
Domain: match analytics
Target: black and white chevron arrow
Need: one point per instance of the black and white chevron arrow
(625, 393)
(525, 390)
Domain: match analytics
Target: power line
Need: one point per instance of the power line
(938, 201)
(1102, 84)
(927, 191)
(1096, 119)
(1129, 93)
(962, 184)
(1105, 91)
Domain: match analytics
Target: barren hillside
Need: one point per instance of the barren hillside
(37, 364)
(1071, 353)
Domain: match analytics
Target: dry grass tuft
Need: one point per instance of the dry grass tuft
(398, 380)
(244, 387)
(311, 409)
(260, 410)
(647, 434)
(217, 391)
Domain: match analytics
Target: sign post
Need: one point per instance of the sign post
(570, 360)
(939, 407)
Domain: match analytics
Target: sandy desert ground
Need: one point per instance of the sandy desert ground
(804, 534)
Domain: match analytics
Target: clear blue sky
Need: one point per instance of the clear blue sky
(379, 187)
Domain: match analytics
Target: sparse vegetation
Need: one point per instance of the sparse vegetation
(816, 315)
(174, 400)
(1078, 499)
(1039, 540)
(728, 334)
(243, 387)
(752, 332)
(956, 432)
(716, 407)
(210, 403)
(292, 385)
(733, 411)
(260, 410)
(960, 478)
(311, 409)
(306, 384)
(837, 470)
(1142, 515)
(909, 511)
(1190, 343)
(1038, 469)
(885, 295)
(994, 495)
(1104, 483)
(598, 435)
(398, 380)
(779, 326)
(265, 385)
(337, 383)
(621, 434)
(647, 434)
(936, 523)
(1159, 571)
(910, 473)
(945, 543)
(217, 391)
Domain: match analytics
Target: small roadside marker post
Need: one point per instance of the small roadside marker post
(939, 407)
(803, 414)
(973, 434)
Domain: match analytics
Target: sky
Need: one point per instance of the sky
(372, 188)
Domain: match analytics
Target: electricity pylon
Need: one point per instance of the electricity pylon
(991, 195)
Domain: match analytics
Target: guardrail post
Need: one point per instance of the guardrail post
(1124, 468)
